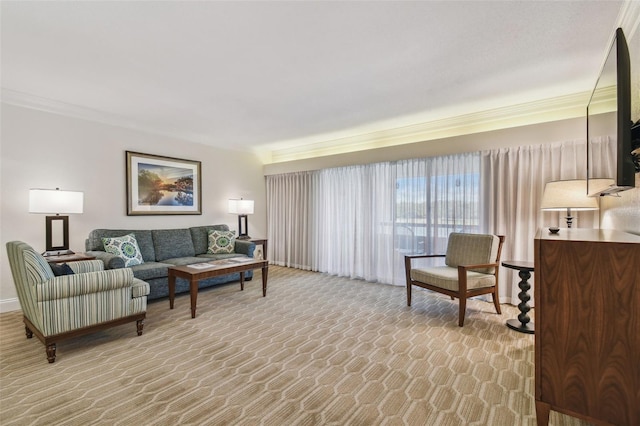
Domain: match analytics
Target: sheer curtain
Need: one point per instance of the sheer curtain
(360, 221)
(513, 184)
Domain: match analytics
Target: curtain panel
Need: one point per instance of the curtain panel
(360, 221)
(513, 184)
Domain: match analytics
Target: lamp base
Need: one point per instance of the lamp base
(243, 237)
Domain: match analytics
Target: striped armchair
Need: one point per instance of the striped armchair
(56, 308)
(471, 269)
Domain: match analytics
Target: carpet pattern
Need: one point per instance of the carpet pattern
(318, 350)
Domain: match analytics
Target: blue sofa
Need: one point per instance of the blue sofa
(162, 248)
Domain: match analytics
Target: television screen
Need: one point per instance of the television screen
(609, 124)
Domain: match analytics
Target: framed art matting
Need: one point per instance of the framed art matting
(158, 185)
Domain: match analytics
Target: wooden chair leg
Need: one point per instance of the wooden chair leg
(408, 294)
(139, 326)
(51, 353)
(28, 332)
(463, 307)
(496, 301)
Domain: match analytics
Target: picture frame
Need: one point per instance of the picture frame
(159, 185)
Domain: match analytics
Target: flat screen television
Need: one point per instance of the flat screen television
(610, 108)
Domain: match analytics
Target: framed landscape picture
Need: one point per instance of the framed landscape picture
(158, 185)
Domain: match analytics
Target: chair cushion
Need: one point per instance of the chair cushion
(221, 242)
(170, 243)
(447, 278)
(125, 247)
(139, 288)
(472, 249)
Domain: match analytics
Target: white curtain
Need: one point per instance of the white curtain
(351, 206)
(360, 221)
(513, 184)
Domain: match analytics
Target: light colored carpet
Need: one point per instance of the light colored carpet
(318, 350)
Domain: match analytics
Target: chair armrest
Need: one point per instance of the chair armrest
(111, 261)
(245, 247)
(479, 265)
(66, 286)
(83, 266)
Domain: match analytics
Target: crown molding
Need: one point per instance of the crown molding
(542, 111)
(553, 109)
(25, 100)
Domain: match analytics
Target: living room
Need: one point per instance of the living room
(50, 143)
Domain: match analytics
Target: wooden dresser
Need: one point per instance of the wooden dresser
(587, 334)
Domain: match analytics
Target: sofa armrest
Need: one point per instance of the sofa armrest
(66, 286)
(245, 247)
(111, 261)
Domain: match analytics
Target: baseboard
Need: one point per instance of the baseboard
(8, 305)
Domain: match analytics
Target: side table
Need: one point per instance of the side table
(263, 242)
(523, 324)
(63, 258)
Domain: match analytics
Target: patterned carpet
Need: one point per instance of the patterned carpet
(318, 350)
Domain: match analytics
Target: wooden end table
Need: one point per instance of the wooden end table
(214, 268)
(523, 324)
(64, 258)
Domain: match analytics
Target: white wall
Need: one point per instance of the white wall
(43, 150)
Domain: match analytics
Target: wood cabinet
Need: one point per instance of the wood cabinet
(587, 334)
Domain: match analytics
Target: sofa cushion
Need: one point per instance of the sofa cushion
(221, 242)
(206, 257)
(150, 270)
(143, 237)
(171, 243)
(200, 236)
(181, 261)
(125, 247)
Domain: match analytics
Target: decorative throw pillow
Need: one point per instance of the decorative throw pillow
(125, 247)
(60, 269)
(221, 242)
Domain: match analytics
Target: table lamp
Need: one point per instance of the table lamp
(569, 195)
(242, 208)
(56, 201)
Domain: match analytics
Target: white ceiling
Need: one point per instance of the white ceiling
(272, 75)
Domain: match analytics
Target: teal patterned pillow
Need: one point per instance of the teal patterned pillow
(221, 242)
(125, 247)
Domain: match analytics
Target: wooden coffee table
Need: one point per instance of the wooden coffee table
(214, 268)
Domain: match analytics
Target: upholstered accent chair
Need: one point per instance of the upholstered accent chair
(471, 268)
(56, 308)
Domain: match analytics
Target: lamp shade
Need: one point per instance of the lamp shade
(567, 194)
(55, 201)
(241, 207)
